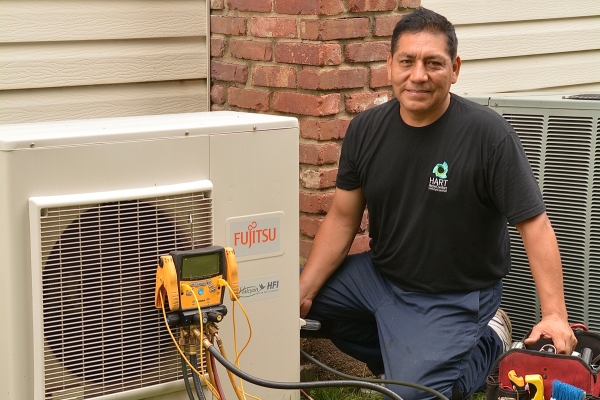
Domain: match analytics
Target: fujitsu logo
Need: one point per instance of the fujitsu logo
(253, 236)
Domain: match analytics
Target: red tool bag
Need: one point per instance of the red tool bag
(538, 359)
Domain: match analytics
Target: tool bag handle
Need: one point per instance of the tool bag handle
(528, 359)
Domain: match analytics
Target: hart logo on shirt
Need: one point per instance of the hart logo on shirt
(439, 182)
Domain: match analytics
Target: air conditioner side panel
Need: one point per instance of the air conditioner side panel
(256, 173)
(15, 330)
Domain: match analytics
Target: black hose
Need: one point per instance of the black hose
(197, 383)
(186, 379)
(388, 381)
(298, 385)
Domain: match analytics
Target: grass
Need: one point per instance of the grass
(347, 393)
(341, 393)
(478, 396)
(357, 394)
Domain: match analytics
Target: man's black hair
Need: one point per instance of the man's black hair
(421, 20)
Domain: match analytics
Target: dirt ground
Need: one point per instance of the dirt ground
(324, 351)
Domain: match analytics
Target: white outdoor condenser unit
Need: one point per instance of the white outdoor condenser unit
(86, 208)
(561, 136)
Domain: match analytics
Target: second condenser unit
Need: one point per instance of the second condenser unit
(561, 136)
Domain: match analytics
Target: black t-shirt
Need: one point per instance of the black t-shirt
(439, 197)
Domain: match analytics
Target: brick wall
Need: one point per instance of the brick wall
(322, 61)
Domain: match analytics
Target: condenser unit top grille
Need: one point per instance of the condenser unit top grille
(594, 96)
(101, 332)
(525, 103)
(120, 129)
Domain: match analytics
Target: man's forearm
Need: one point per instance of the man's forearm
(331, 244)
(544, 260)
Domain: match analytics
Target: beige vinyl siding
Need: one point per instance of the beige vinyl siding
(88, 59)
(588, 88)
(100, 101)
(516, 46)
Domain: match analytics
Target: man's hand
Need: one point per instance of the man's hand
(305, 305)
(544, 260)
(555, 328)
(331, 244)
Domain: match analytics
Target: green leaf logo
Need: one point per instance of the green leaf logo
(441, 170)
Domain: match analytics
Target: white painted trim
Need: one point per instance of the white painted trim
(37, 203)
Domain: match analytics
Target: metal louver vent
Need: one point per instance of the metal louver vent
(594, 240)
(566, 192)
(520, 296)
(102, 334)
(563, 150)
(530, 129)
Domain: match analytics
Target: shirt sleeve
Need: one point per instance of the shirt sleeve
(348, 176)
(511, 182)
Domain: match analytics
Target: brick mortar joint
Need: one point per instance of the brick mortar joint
(346, 13)
(371, 35)
(318, 191)
(315, 141)
(317, 168)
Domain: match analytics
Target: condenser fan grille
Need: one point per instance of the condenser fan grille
(102, 334)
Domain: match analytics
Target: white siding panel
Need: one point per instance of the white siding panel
(38, 65)
(515, 45)
(43, 20)
(102, 101)
(65, 59)
(525, 38)
(461, 12)
(528, 73)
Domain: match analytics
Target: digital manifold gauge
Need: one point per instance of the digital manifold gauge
(189, 280)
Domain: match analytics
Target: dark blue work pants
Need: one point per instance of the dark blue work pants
(438, 340)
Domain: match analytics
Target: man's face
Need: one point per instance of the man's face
(421, 72)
